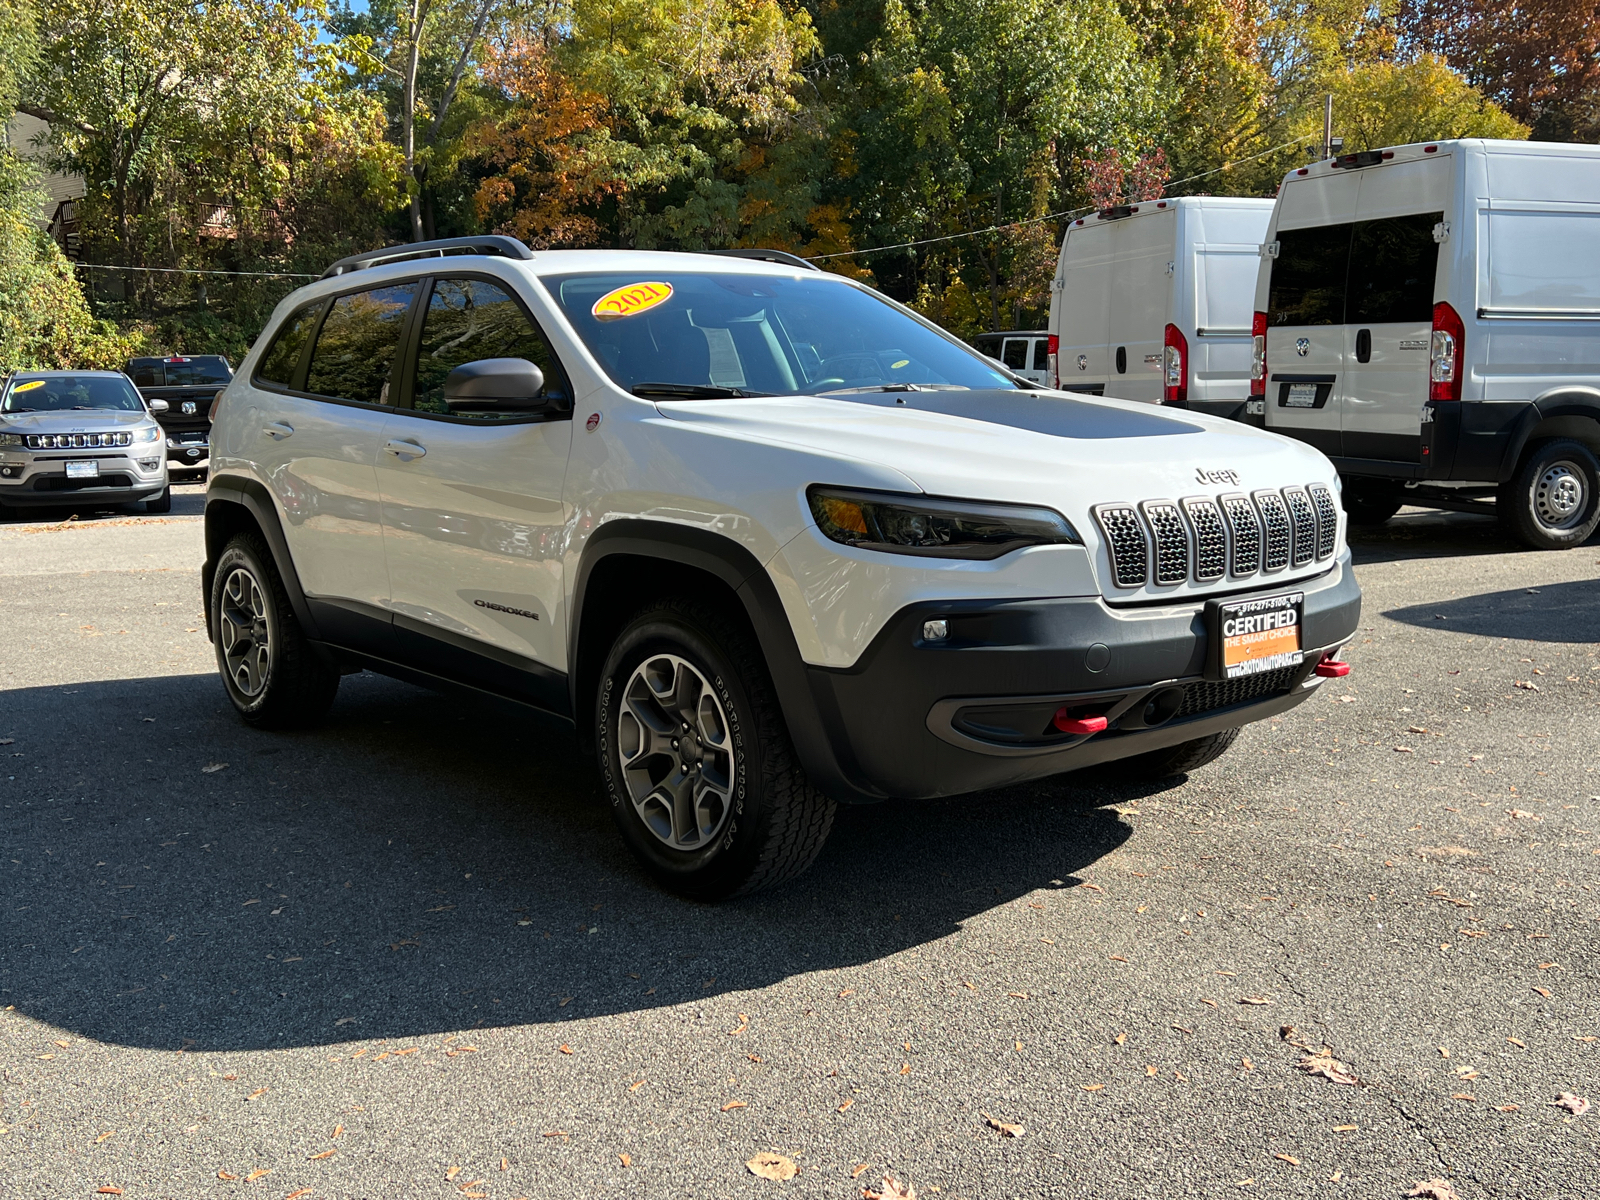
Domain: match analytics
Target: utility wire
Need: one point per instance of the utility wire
(1067, 213)
(193, 271)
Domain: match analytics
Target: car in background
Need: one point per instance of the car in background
(79, 438)
(188, 383)
(1023, 351)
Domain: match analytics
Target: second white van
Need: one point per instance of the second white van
(1153, 302)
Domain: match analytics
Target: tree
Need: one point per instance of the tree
(1388, 104)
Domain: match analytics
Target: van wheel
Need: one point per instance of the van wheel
(1554, 501)
(695, 758)
(1369, 504)
(273, 676)
(1179, 759)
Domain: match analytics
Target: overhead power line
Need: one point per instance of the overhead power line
(194, 271)
(1067, 213)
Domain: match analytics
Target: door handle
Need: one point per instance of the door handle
(1363, 345)
(403, 449)
(277, 430)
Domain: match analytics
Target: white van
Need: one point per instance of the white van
(1153, 301)
(1023, 351)
(1428, 316)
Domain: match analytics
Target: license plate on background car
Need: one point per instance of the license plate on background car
(83, 470)
(1258, 635)
(1301, 395)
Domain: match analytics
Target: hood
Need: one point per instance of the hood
(1068, 451)
(79, 420)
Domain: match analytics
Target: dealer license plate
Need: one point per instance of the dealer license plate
(1301, 395)
(83, 470)
(1259, 635)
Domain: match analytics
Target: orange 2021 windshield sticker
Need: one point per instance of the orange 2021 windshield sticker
(631, 300)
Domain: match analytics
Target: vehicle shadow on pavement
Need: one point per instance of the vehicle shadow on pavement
(1551, 612)
(423, 864)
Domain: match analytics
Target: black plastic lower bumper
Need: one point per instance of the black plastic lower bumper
(918, 719)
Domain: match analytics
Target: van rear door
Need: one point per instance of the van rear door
(1141, 303)
(1389, 297)
(1081, 314)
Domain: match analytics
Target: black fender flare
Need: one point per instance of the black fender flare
(1582, 403)
(251, 495)
(804, 711)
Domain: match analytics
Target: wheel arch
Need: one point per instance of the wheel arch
(238, 504)
(1564, 413)
(684, 560)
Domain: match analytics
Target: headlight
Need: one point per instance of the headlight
(151, 434)
(934, 527)
(10, 439)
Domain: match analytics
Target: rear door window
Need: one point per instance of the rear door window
(1015, 355)
(1309, 275)
(209, 371)
(1041, 355)
(1393, 263)
(356, 346)
(283, 356)
(472, 319)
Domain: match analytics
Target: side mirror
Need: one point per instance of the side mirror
(495, 385)
(158, 407)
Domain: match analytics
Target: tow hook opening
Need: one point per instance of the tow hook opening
(1330, 667)
(1084, 724)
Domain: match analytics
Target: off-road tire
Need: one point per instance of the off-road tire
(1179, 759)
(161, 503)
(1370, 506)
(1527, 514)
(778, 821)
(299, 686)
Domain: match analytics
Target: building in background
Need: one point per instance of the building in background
(58, 210)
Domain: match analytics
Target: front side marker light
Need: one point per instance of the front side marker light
(933, 526)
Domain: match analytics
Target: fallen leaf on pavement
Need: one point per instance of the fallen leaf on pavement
(104, 1136)
(337, 1130)
(1120, 1038)
(1254, 1000)
(297, 1193)
(1150, 1070)
(847, 992)
(1517, 1042)
(845, 1106)
(1288, 1158)
(1092, 1087)
(224, 1175)
(257, 1174)
(1545, 992)
(1462, 1096)
(454, 1171)
(625, 1159)
(1010, 1131)
(254, 1094)
(733, 1104)
(860, 1168)
(505, 1163)
(110, 1189)
(772, 1166)
(555, 1133)
(1345, 1128)
(1328, 1067)
(1434, 1189)
(324, 1154)
(565, 1049)
(1526, 685)
(1576, 1105)
(213, 768)
(893, 1189)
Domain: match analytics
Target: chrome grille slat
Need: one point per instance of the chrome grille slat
(1305, 525)
(1210, 538)
(1124, 543)
(1246, 531)
(1327, 520)
(1170, 540)
(76, 441)
(1276, 536)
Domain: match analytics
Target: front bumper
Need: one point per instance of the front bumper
(917, 720)
(39, 478)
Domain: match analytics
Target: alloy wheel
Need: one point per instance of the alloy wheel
(246, 634)
(674, 752)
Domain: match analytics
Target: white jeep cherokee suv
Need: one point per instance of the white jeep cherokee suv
(767, 540)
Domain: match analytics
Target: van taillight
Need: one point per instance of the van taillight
(1258, 357)
(1175, 368)
(1444, 354)
(1053, 345)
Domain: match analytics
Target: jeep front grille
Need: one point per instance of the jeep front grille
(76, 441)
(1205, 538)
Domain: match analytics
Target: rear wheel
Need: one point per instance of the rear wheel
(1554, 501)
(271, 672)
(696, 760)
(1179, 759)
(1369, 503)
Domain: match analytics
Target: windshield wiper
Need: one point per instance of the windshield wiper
(896, 387)
(691, 391)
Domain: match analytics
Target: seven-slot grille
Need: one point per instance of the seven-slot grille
(76, 441)
(1201, 538)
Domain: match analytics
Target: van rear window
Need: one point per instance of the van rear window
(1356, 273)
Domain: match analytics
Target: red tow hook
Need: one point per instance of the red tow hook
(1330, 668)
(1071, 724)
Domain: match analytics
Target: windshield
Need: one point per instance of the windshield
(678, 336)
(206, 371)
(62, 393)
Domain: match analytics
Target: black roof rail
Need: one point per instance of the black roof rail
(782, 257)
(493, 244)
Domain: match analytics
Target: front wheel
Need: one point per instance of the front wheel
(1177, 760)
(1554, 501)
(696, 760)
(1369, 504)
(271, 672)
(161, 503)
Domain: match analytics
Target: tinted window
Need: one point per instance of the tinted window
(279, 362)
(469, 319)
(1041, 355)
(1308, 276)
(988, 345)
(1016, 354)
(1392, 267)
(63, 393)
(356, 346)
(145, 372)
(197, 372)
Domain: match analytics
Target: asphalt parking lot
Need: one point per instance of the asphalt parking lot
(406, 955)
